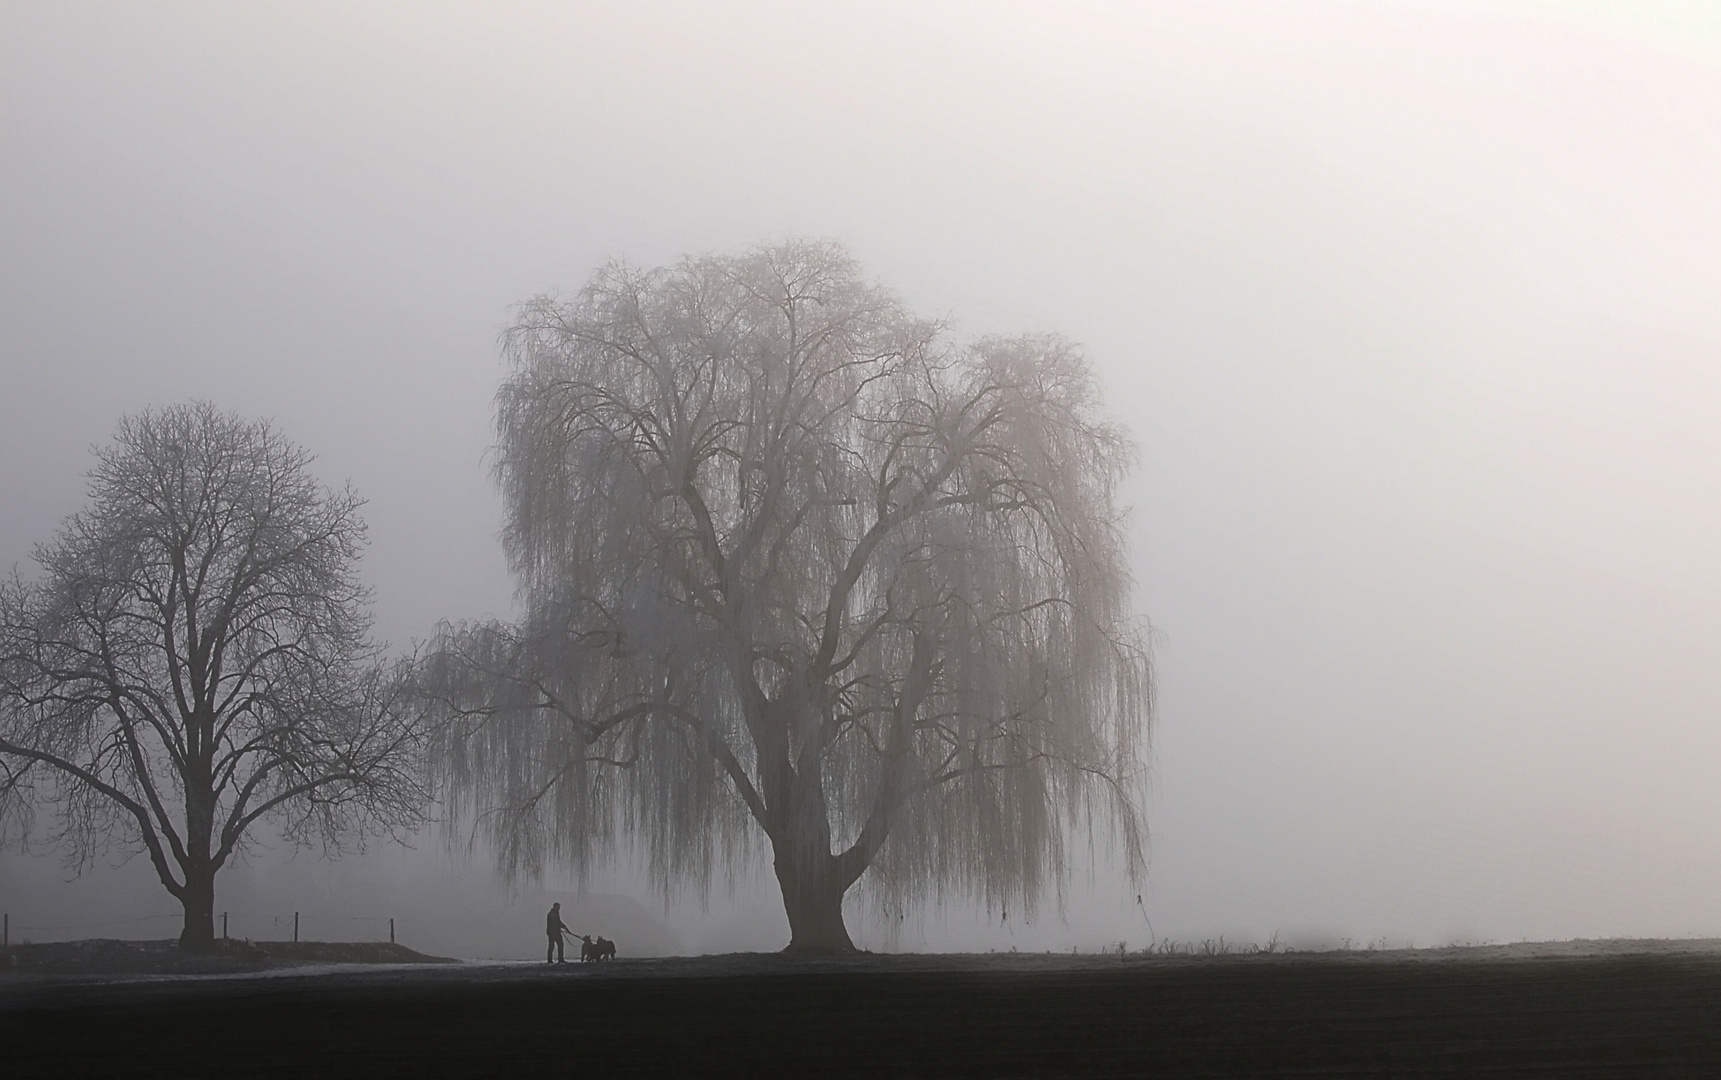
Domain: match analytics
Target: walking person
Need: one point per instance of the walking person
(555, 928)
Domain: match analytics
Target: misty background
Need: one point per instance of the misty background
(1414, 309)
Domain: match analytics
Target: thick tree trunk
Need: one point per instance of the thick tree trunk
(197, 867)
(199, 902)
(811, 878)
(814, 903)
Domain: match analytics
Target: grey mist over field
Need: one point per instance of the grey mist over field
(1410, 307)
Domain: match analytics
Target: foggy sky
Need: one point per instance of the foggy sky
(1412, 307)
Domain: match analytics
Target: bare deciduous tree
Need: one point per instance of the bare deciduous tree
(196, 658)
(793, 561)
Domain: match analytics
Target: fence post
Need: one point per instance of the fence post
(391, 931)
(295, 927)
(223, 926)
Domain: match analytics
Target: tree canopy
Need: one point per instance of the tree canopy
(195, 658)
(798, 567)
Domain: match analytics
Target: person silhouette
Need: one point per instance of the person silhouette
(555, 928)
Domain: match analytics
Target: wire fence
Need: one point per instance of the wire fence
(252, 926)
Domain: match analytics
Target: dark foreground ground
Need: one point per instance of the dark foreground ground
(1614, 1009)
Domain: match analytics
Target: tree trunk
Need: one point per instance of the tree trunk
(814, 903)
(197, 867)
(199, 902)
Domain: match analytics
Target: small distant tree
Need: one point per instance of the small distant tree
(793, 562)
(195, 658)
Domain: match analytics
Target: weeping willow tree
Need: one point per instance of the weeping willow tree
(794, 564)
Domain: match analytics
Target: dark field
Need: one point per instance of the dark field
(1613, 1009)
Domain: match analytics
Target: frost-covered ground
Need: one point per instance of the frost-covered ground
(110, 961)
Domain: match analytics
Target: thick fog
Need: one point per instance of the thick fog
(1412, 308)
